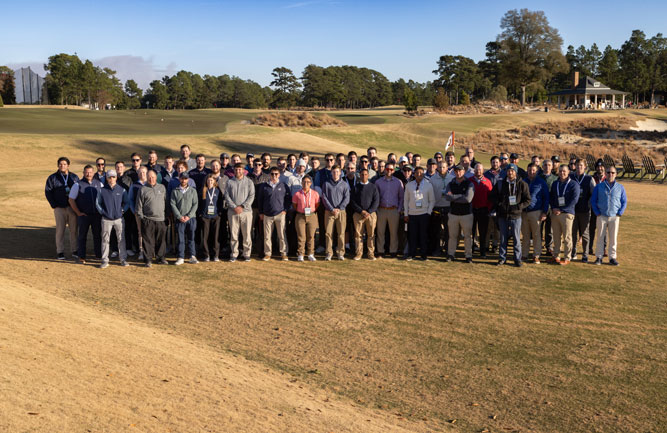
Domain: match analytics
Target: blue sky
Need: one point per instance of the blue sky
(402, 39)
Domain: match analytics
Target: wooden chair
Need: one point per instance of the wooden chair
(590, 161)
(573, 156)
(629, 167)
(650, 169)
(609, 162)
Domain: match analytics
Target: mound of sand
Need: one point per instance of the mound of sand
(295, 120)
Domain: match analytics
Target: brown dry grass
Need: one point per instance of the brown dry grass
(294, 120)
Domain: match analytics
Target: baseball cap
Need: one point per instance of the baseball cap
(437, 153)
(407, 167)
(598, 163)
(224, 155)
(112, 173)
(301, 162)
(512, 167)
(249, 155)
(184, 175)
(514, 156)
(431, 161)
(555, 158)
(459, 167)
(402, 159)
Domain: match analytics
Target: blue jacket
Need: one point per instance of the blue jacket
(571, 193)
(586, 184)
(213, 198)
(322, 176)
(111, 203)
(336, 195)
(57, 190)
(87, 196)
(609, 200)
(539, 195)
(272, 201)
(132, 196)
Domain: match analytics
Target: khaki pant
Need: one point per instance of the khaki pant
(456, 224)
(359, 225)
(608, 226)
(387, 217)
(305, 232)
(242, 222)
(338, 222)
(562, 228)
(530, 229)
(65, 216)
(119, 226)
(279, 222)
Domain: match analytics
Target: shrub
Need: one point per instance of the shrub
(465, 99)
(498, 94)
(440, 100)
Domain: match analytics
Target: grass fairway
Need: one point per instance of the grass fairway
(351, 346)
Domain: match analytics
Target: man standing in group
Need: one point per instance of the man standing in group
(258, 177)
(132, 223)
(481, 206)
(266, 162)
(335, 196)
(185, 156)
(582, 210)
(390, 191)
(534, 214)
(239, 195)
(150, 208)
(417, 207)
(168, 171)
(133, 172)
(460, 193)
(57, 189)
(470, 153)
(111, 202)
(322, 176)
(199, 173)
(82, 198)
(365, 200)
(545, 227)
(184, 203)
(152, 164)
(101, 173)
(274, 200)
(598, 177)
(438, 231)
(563, 197)
(431, 168)
(609, 202)
(510, 198)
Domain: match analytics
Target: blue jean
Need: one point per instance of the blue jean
(509, 227)
(186, 229)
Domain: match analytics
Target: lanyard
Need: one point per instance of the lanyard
(558, 187)
(65, 178)
(510, 185)
(583, 176)
(210, 197)
(306, 198)
(610, 188)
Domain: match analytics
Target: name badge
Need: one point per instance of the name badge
(67, 189)
(306, 211)
(211, 210)
(418, 203)
(561, 201)
(512, 200)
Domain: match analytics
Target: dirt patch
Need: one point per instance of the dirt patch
(651, 125)
(296, 120)
(488, 107)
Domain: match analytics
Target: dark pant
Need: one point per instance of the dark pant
(509, 228)
(257, 233)
(480, 222)
(186, 229)
(94, 223)
(154, 238)
(322, 239)
(131, 231)
(290, 232)
(547, 234)
(210, 229)
(418, 234)
(223, 235)
(438, 229)
(580, 228)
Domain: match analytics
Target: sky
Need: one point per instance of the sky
(146, 39)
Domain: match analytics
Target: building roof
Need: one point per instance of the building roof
(589, 86)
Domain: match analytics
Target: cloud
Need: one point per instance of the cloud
(141, 70)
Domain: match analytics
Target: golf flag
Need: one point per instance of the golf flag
(450, 141)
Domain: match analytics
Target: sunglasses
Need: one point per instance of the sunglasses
(136, 160)
(330, 159)
(275, 174)
(100, 164)
(611, 172)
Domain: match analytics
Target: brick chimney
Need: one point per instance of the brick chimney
(575, 79)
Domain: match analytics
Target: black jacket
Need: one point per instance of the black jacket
(57, 189)
(365, 197)
(500, 197)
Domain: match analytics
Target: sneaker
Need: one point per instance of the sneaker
(284, 258)
(584, 259)
(500, 262)
(613, 262)
(408, 258)
(450, 258)
(371, 258)
(179, 262)
(206, 259)
(557, 260)
(114, 255)
(355, 257)
(216, 259)
(163, 262)
(319, 250)
(312, 258)
(246, 259)
(75, 256)
(423, 258)
(149, 264)
(124, 264)
(266, 258)
(131, 253)
(565, 262)
(598, 261)
(141, 256)
(104, 265)
(518, 264)
(81, 261)
(60, 256)
(300, 258)
(232, 259)
(328, 258)
(536, 260)
(193, 260)
(469, 260)
(341, 257)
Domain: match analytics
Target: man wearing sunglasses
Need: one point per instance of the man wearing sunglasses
(274, 199)
(608, 202)
(101, 173)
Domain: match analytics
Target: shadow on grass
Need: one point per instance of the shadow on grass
(257, 149)
(29, 243)
(112, 150)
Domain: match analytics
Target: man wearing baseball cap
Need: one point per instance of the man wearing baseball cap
(111, 203)
(514, 159)
(510, 197)
(460, 193)
(184, 204)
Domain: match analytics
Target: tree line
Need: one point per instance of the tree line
(525, 62)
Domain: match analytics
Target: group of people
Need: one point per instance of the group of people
(348, 204)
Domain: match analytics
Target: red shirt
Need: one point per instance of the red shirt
(482, 197)
(301, 201)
